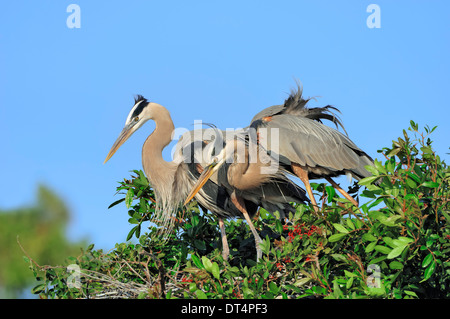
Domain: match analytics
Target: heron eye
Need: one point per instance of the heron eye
(136, 118)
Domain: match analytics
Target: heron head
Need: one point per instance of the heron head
(141, 112)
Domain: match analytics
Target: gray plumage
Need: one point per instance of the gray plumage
(275, 195)
(296, 137)
(305, 140)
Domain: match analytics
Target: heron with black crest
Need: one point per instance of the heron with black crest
(173, 180)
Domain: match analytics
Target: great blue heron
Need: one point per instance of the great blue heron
(304, 146)
(274, 193)
(172, 180)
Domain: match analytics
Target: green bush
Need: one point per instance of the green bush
(396, 245)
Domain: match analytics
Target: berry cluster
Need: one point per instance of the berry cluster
(186, 280)
(286, 260)
(299, 230)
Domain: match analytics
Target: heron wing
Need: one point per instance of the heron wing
(310, 143)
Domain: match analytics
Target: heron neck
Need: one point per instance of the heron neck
(152, 160)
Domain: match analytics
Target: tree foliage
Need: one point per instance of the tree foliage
(396, 245)
(40, 229)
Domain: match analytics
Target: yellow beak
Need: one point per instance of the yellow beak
(203, 178)
(123, 136)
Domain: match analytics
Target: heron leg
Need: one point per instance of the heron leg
(239, 203)
(340, 190)
(225, 247)
(303, 175)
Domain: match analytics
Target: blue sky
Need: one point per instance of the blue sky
(65, 93)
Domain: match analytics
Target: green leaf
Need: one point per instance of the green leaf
(215, 270)
(349, 283)
(369, 237)
(207, 263)
(192, 287)
(377, 260)
(273, 288)
(400, 243)
(265, 245)
(370, 247)
(388, 221)
(405, 240)
(349, 274)
(367, 180)
(394, 191)
(374, 188)
(371, 169)
(245, 271)
(430, 184)
(380, 166)
(426, 150)
(340, 257)
(412, 197)
(116, 202)
(278, 226)
(427, 260)
(197, 261)
(389, 241)
(393, 152)
(340, 228)
(336, 237)
(390, 165)
(350, 224)
(330, 192)
(302, 281)
(396, 252)
(414, 177)
(142, 180)
(429, 271)
(411, 183)
(383, 249)
(132, 231)
(38, 288)
(129, 198)
(200, 294)
(396, 265)
(411, 293)
(133, 221)
(392, 220)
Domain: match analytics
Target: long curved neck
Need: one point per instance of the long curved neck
(155, 167)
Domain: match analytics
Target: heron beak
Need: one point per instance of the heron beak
(203, 178)
(123, 136)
